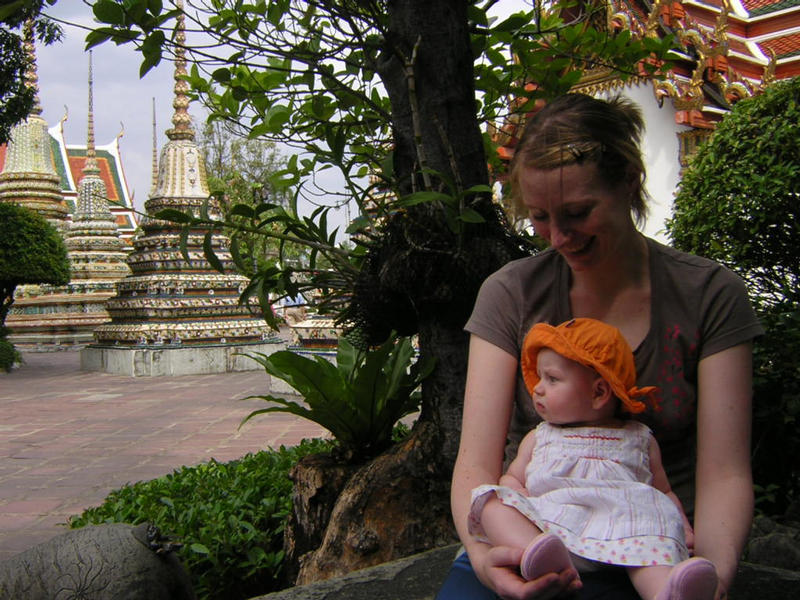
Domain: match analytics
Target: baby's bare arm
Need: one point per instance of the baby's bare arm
(514, 477)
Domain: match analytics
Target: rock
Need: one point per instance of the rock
(102, 562)
(779, 549)
(774, 544)
(416, 577)
(758, 582)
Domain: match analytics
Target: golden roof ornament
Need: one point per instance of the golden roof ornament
(181, 120)
(769, 69)
(31, 74)
(154, 166)
(91, 153)
(29, 176)
(175, 299)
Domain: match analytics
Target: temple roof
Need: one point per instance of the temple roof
(69, 161)
(730, 49)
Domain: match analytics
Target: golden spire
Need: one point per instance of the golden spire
(31, 75)
(154, 173)
(181, 120)
(91, 154)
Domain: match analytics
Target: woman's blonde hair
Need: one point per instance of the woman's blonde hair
(579, 129)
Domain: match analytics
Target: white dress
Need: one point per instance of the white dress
(591, 487)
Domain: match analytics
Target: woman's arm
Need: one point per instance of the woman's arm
(724, 499)
(488, 402)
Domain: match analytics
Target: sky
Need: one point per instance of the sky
(122, 101)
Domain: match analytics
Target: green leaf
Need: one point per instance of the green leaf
(512, 24)
(108, 11)
(470, 215)
(9, 9)
(183, 240)
(208, 252)
(277, 116)
(173, 215)
(199, 549)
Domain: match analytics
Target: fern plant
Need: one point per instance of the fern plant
(359, 399)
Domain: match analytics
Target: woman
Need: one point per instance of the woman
(578, 171)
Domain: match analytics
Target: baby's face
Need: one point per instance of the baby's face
(564, 392)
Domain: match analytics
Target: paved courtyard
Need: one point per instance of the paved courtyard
(67, 437)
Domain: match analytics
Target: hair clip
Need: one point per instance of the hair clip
(575, 151)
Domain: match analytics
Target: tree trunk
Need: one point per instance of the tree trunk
(422, 278)
(318, 481)
(392, 507)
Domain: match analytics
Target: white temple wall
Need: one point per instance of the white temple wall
(661, 151)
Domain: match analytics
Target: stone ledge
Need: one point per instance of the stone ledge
(416, 577)
(167, 361)
(419, 577)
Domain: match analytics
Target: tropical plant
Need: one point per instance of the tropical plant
(739, 203)
(359, 399)
(229, 518)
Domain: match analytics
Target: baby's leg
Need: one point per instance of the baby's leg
(543, 553)
(693, 579)
(648, 581)
(506, 526)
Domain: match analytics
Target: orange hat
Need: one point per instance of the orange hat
(591, 343)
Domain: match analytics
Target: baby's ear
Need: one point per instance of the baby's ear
(601, 393)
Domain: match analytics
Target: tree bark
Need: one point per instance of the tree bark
(318, 480)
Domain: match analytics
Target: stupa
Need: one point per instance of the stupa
(29, 177)
(93, 241)
(63, 317)
(173, 316)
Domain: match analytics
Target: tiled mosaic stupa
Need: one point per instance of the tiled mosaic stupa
(169, 305)
(93, 241)
(29, 177)
(62, 317)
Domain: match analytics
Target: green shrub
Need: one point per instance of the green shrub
(739, 204)
(8, 355)
(228, 516)
(31, 251)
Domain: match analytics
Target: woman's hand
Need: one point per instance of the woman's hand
(721, 593)
(688, 533)
(501, 572)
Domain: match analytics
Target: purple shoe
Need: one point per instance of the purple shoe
(693, 579)
(545, 554)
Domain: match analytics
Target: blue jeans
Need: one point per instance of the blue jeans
(605, 584)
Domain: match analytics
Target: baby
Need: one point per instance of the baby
(587, 485)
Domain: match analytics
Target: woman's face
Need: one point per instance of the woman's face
(573, 208)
